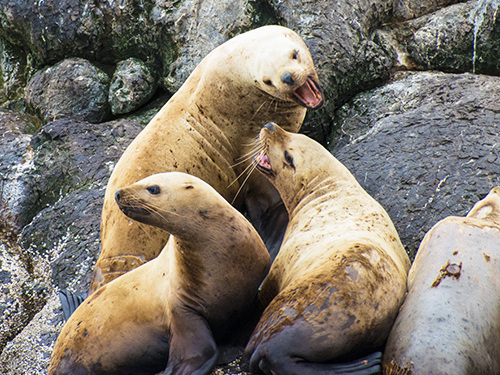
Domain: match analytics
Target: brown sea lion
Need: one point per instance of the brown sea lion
(450, 321)
(266, 74)
(179, 306)
(340, 275)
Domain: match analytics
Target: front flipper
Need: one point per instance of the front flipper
(192, 347)
(370, 364)
(70, 301)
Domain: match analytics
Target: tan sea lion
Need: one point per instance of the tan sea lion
(450, 321)
(266, 74)
(179, 306)
(340, 275)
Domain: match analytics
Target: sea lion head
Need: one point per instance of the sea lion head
(291, 161)
(283, 68)
(488, 208)
(171, 201)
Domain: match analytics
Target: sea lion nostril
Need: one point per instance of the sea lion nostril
(287, 78)
(271, 126)
(117, 195)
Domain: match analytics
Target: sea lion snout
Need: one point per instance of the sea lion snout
(271, 126)
(117, 195)
(287, 78)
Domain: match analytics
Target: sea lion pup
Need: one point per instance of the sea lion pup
(180, 305)
(266, 74)
(340, 275)
(450, 320)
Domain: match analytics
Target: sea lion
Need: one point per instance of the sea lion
(340, 275)
(179, 306)
(450, 320)
(266, 74)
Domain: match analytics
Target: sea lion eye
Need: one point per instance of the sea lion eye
(295, 54)
(268, 82)
(288, 159)
(154, 189)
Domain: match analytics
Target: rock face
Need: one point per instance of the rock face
(426, 146)
(422, 143)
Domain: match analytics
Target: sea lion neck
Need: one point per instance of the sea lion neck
(334, 179)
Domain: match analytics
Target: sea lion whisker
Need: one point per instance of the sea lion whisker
(249, 156)
(252, 165)
(241, 174)
(258, 109)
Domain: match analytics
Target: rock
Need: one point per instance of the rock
(425, 146)
(408, 9)
(17, 157)
(132, 85)
(71, 164)
(30, 351)
(21, 295)
(72, 88)
(460, 38)
(13, 67)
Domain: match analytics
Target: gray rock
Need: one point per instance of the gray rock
(29, 352)
(17, 156)
(72, 88)
(409, 9)
(13, 69)
(132, 85)
(460, 38)
(21, 295)
(425, 146)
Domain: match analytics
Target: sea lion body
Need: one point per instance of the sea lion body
(340, 275)
(450, 321)
(205, 129)
(180, 305)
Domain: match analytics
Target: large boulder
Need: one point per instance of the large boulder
(425, 146)
(72, 88)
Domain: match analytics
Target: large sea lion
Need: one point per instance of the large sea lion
(266, 74)
(179, 306)
(340, 275)
(450, 321)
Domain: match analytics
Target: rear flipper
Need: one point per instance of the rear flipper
(70, 301)
(368, 365)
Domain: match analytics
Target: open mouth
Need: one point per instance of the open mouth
(310, 94)
(263, 165)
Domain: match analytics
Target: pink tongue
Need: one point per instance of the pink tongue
(308, 94)
(264, 161)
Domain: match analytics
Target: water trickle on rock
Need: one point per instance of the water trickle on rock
(476, 17)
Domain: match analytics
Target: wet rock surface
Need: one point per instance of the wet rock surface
(424, 143)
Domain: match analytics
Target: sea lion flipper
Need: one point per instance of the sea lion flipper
(370, 364)
(70, 301)
(192, 347)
